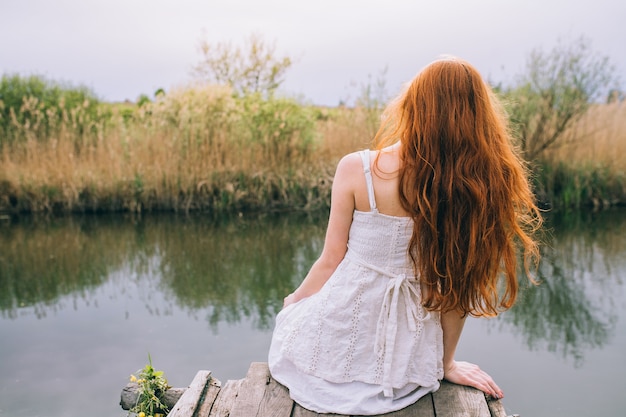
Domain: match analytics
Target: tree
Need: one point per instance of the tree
(557, 89)
(253, 68)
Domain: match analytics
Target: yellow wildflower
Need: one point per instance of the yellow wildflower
(133, 378)
(142, 414)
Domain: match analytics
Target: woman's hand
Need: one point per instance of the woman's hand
(349, 172)
(465, 373)
(290, 299)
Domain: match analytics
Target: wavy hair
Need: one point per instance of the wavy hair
(466, 187)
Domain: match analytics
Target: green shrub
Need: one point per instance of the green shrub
(38, 106)
(282, 127)
(563, 187)
(194, 115)
(211, 115)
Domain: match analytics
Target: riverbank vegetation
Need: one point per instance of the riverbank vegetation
(233, 144)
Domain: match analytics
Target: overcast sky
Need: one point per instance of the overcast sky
(124, 48)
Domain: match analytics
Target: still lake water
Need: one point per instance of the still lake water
(84, 300)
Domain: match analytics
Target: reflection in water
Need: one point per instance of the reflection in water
(582, 269)
(39, 263)
(240, 268)
(231, 267)
(234, 268)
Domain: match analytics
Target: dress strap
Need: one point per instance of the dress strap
(365, 157)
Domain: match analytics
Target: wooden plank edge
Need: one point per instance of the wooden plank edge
(452, 400)
(496, 408)
(225, 399)
(188, 402)
(252, 391)
(213, 389)
(276, 401)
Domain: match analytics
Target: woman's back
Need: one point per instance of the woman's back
(386, 349)
(380, 231)
(384, 165)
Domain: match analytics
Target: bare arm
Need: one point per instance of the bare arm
(339, 221)
(463, 373)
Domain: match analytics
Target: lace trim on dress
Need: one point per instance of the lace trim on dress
(399, 285)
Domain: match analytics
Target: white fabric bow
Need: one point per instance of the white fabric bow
(400, 286)
(387, 327)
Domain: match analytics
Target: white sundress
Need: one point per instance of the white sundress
(363, 344)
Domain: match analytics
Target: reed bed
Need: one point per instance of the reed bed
(599, 137)
(196, 148)
(588, 167)
(202, 148)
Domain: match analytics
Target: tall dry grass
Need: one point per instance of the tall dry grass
(197, 148)
(201, 148)
(588, 166)
(343, 130)
(598, 138)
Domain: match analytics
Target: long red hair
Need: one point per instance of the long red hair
(466, 188)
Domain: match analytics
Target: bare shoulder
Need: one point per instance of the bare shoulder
(349, 166)
(350, 160)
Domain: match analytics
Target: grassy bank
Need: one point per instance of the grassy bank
(196, 148)
(201, 148)
(588, 168)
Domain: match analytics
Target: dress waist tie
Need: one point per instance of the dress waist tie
(399, 285)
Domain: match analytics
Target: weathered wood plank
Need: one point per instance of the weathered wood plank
(276, 401)
(496, 408)
(422, 408)
(226, 398)
(259, 395)
(209, 397)
(299, 411)
(251, 391)
(453, 400)
(187, 404)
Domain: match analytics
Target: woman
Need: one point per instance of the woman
(422, 232)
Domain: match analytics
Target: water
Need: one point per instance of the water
(84, 300)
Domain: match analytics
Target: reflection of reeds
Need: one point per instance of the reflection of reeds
(231, 268)
(581, 272)
(41, 262)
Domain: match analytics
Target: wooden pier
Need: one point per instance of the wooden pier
(259, 395)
